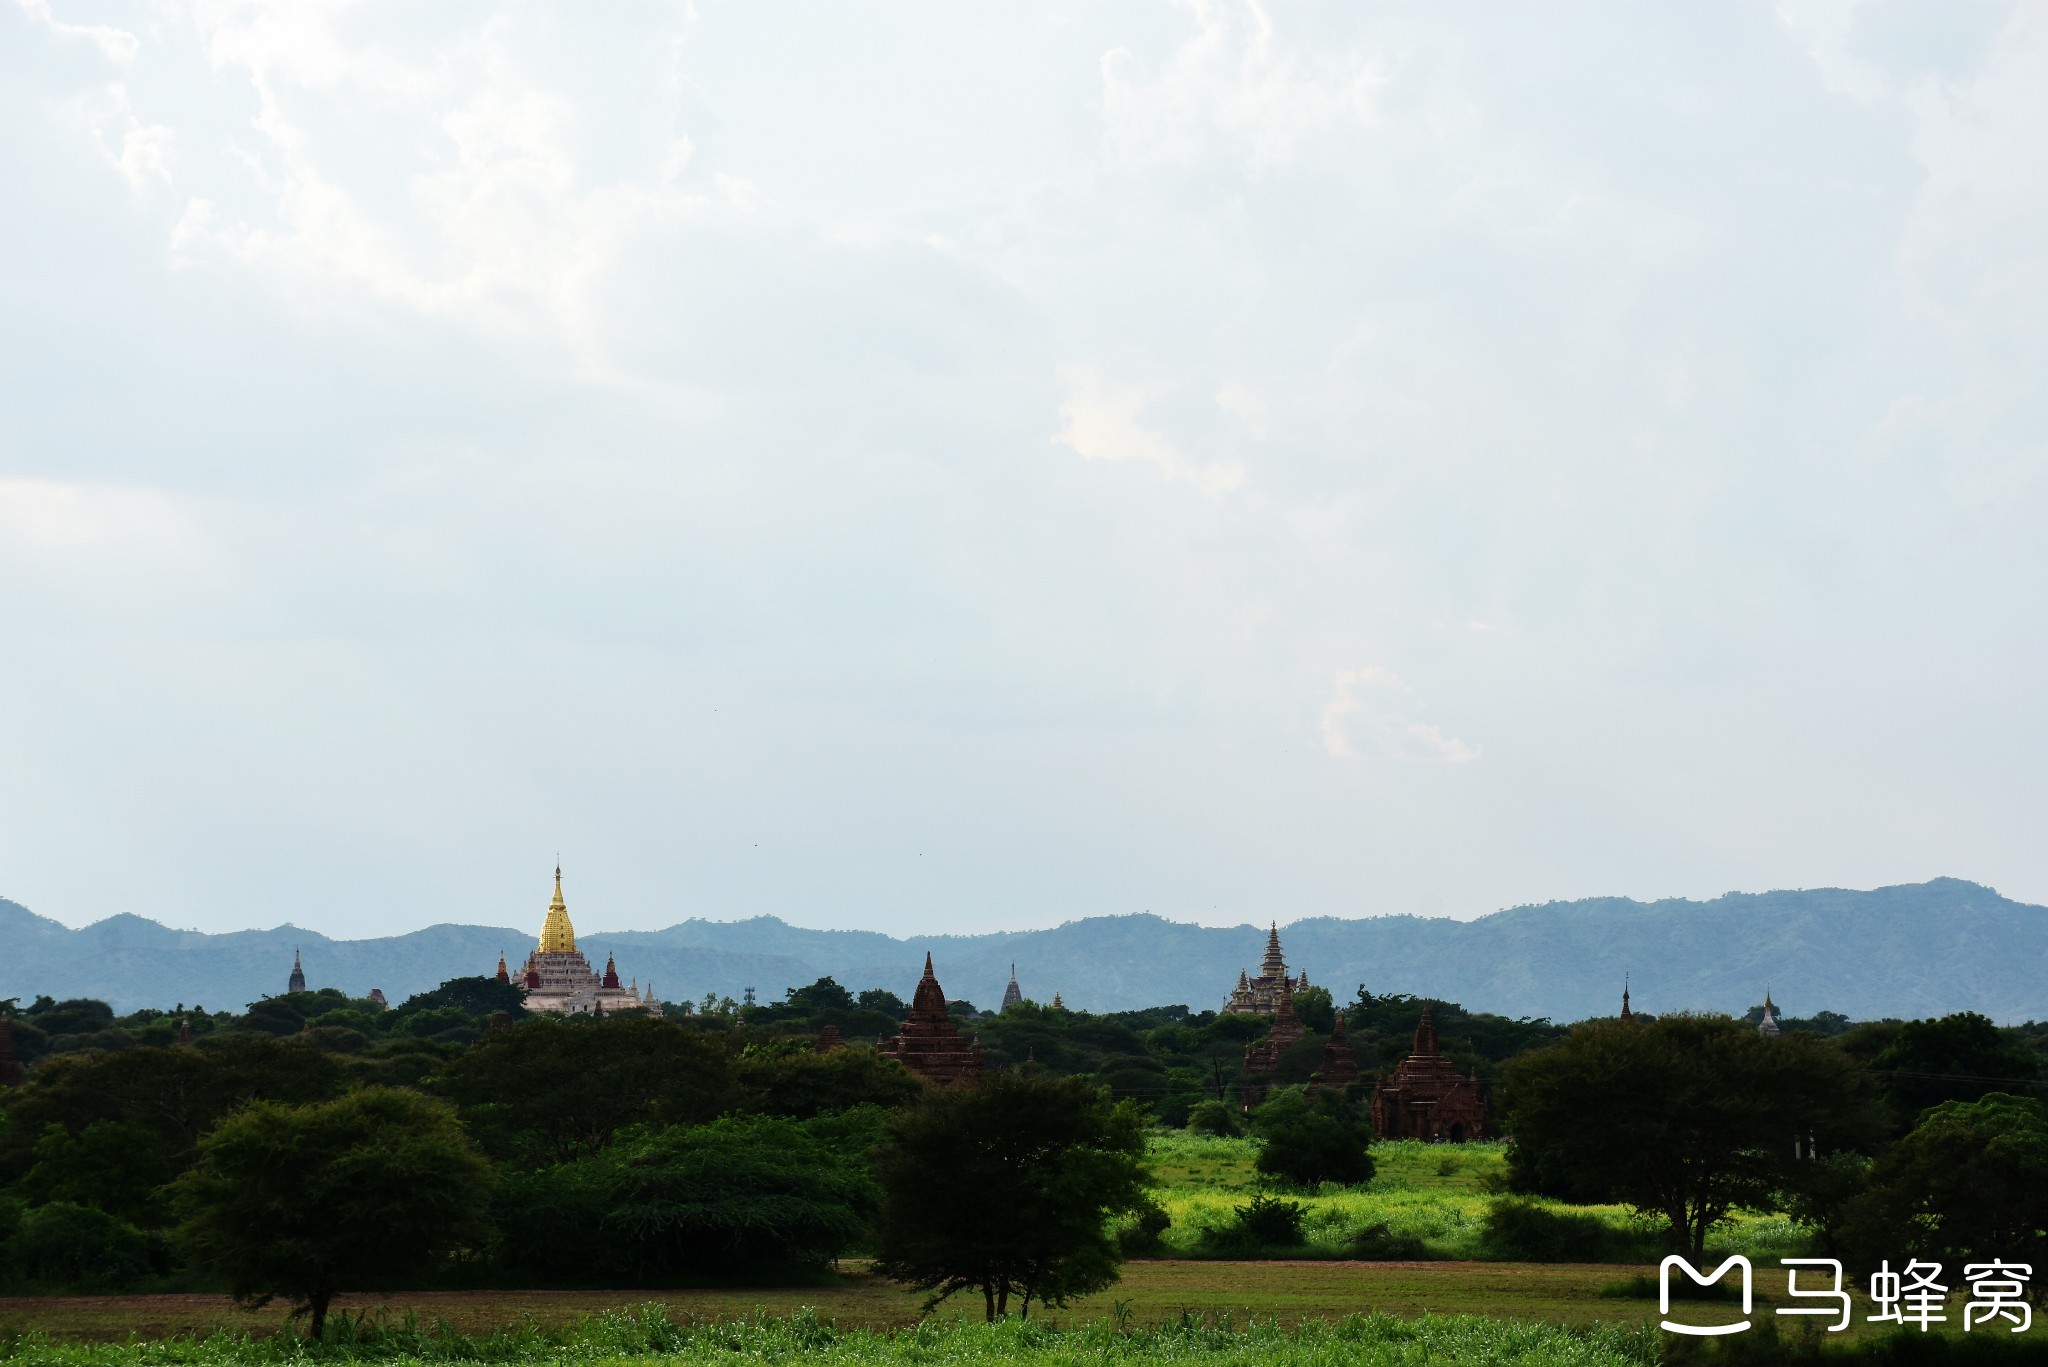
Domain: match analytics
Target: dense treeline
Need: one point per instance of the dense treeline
(149, 1149)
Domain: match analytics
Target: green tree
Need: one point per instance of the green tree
(174, 1094)
(1969, 1183)
(1687, 1118)
(822, 995)
(742, 1193)
(369, 1190)
(883, 1000)
(1312, 1137)
(477, 997)
(113, 1166)
(1956, 1058)
(1316, 1008)
(804, 1083)
(1008, 1188)
(551, 1089)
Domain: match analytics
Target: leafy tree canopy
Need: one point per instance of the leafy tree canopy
(1968, 1184)
(1007, 1188)
(368, 1190)
(1686, 1117)
(1309, 1138)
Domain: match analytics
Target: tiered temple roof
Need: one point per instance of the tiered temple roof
(1013, 995)
(1262, 1058)
(929, 1044)
(1261, 996)
(1426, 1097)
(1340, 1062)
(559, 979)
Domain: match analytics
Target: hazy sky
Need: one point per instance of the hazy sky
(918, 465)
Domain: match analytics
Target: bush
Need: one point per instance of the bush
(1311, 1139)
(1215, 1118)
(739, 1193)
(1265, 1221)
(63, 1246)
(1380, 1243)
(1145, 1233)
(1517, 1229)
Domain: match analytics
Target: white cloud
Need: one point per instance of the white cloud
(1371, 714)
(1102, 423)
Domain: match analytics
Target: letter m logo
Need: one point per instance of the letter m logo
(1707, 1279)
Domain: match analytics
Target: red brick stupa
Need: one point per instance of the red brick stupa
(1261, 1059)
(929, 1044)
(1340, 1062)
(1426, 1097)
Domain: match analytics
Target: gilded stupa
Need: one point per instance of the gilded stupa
(560, 980)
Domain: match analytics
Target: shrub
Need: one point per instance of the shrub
(1517, 1229)
(739, 1193)
(1266, 1221)
(1379, 1242)
(1215, 1117)
(1311, 1139)
(73, 1247)
(1145, 1233)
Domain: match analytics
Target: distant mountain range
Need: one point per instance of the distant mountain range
(1914, 950)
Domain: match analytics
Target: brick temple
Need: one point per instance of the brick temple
(1426, 1097)
(929, 1044)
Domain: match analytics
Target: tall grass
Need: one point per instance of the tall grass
(649, 1334)
(1424, 1201)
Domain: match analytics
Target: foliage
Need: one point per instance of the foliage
(71, 1247)
(740, 1194)
(1308, 1138)
(1970, 1183)
(804, 1083)
(1316, 1008)
(171, 1096)
(1956, 1058)
(368, 1190)
(1518, 1229)
(1382, 1032)
(552, 1089)
(478, 998)
(1147, 1229)
(1007, 1188)
(116, 1167)
(649, 1334)
(1685, 1117)
(1269, 1221)
(1215, 1118)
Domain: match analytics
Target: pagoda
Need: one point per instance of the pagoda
(1340, 1062)
(929, 1044)
(1426, 1097)
(1262, 1059)
(1261, 996)
(560, 981)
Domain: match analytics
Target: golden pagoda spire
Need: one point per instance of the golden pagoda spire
(557, 936)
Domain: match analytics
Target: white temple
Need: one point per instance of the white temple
(559, 979)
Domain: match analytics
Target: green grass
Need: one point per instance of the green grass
(1429, 1196)
(650, 1334)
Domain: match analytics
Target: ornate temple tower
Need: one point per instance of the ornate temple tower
(1261, 996)
(1426, 1097)
(297, 982)
(929, 1044)
(1013, 995)
(560, 980)
(1340, 1062)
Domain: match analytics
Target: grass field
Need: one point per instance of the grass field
(1151, 1292)
(1431, 1196)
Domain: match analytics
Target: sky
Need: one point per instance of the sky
(920, 466)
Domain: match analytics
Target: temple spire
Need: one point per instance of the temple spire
(297, 983)
(1626, 1014)
(557, 935)
(1425, 1033)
